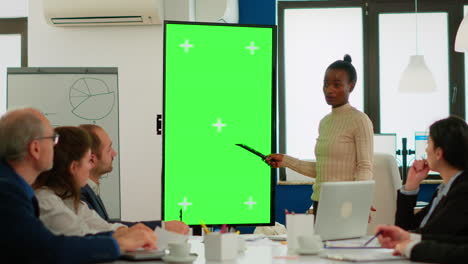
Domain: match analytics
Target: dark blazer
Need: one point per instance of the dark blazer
(450, 217)
(24, 239)
(95, 203)
(441, 249)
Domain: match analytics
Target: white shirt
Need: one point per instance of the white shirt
(442, 191)
(94, 186)
(60, 218)
(415, 239)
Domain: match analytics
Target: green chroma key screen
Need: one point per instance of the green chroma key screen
(219, 90)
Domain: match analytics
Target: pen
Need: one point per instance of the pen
(372, 238)
(207, 231)
(180, 214)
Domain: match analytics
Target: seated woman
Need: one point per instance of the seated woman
(426, 248)
(447, 212)
(58, 190)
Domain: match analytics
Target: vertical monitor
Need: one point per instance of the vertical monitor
(219, 91)
(420, 143)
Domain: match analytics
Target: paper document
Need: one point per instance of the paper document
(278, 237)
(252, 237)
(362, 255)
(352, 243)
(165, 237)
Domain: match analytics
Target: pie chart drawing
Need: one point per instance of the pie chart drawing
(91, 98)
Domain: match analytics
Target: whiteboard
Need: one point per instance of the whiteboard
(71, 97)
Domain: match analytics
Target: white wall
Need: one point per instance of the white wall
(137, 52)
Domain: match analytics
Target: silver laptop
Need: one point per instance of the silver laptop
(344, 209)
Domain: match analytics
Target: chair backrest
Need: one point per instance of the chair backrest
(387, 182)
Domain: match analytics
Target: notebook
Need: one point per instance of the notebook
(143, 254)
(344, 209)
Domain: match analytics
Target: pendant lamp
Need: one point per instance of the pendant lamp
(231, 14)
(417, 78)
(461, 40)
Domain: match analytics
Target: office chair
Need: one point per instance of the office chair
(387, 182)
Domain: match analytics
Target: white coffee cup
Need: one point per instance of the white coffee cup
(311, 243)
(298, 225)
(241, 245)
(179, 249)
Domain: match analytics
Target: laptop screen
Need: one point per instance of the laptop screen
(344, 209)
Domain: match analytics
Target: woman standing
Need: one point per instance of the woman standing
(344, 146)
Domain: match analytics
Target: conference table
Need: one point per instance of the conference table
(265, 251)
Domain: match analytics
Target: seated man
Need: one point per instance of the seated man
(447, 153)
(102, 155)
(26, 149)
(426, 248)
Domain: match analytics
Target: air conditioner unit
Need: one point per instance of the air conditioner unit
(103, 12)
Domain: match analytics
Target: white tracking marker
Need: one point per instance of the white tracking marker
(252, 47)
(219, 125)
(185, 203)
(186, 45)
(250, 202)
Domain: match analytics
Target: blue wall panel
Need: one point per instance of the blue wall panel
(260, 12)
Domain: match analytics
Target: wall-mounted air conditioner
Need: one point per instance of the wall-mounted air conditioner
(103, 12)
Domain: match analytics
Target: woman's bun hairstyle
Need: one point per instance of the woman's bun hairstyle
(346, 65)
(347, 58)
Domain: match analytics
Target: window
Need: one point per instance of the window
(13, 8)
(312, 42)
(10, 52)
(13, 41)
(405, 113)
(380, 36)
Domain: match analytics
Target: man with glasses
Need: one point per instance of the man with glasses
(27, 149)
(55, 137)
(103, 155)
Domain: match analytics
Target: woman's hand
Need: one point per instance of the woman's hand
(275, 160)
(391, 235)
(400, 248)
(417, 173)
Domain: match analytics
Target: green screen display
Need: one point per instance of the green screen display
(219, 90)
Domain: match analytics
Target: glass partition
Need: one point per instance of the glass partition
(405, 113)
(312, 41)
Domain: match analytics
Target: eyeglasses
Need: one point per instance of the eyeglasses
(55, 137)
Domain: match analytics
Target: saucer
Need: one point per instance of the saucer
(174, 259)
(307, 251)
